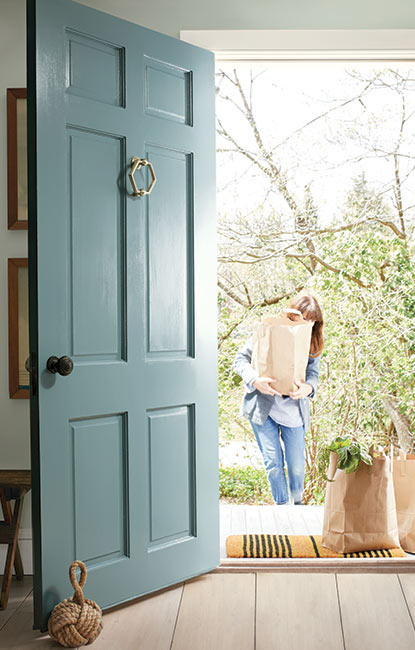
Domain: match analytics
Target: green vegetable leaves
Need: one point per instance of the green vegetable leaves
(350, 453)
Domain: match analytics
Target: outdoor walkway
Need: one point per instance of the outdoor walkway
(284, 520)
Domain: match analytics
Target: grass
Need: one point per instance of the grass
(244, 485)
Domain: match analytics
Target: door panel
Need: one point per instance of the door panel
(96, 222)
(170, 256)
(100, 530)
(168, 91)
(95, 69)
(124, 449)
(171, 461)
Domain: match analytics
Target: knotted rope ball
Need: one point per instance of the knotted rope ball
(76, 621)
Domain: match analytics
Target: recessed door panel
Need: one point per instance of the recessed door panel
(94, 69)
(168, 91)
(170, 287)
(100, 507)
(171, 446)
(97, 240)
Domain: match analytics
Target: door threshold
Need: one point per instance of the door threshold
(317, 565)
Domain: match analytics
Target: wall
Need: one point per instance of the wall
(169, 17)
(14, 413)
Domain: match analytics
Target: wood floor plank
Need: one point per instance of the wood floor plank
(407, 581)
(19, 591)
(143, 624)
(225, 526)
(18, 634)
(296, 611)
(374, 612)
(238, 520)
(298, 525)
(320, 515)
(267, 520)
(312, 522)
(282, 521)
(253, 520)
(217, 612)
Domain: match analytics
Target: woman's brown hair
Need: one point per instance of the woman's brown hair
(311, 310)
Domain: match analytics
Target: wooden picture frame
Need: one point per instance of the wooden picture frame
(17, 158)
(18, 327)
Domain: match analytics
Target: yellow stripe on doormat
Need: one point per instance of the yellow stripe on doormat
(286, 546)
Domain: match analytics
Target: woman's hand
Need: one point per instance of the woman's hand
(302, 390)
(263, 385)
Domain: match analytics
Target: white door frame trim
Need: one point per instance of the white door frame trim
(305, 44)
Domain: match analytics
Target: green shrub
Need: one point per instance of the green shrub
(239, 484)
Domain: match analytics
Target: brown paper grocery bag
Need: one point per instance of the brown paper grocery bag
(360, 510)
(281, 348)
(404, 484)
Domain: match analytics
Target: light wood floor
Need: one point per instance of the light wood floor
(249, 611)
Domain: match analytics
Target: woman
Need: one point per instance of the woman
(273, 415)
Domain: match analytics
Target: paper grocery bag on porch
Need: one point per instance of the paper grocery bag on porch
(280, 349)
(360, 510)
(404, 484)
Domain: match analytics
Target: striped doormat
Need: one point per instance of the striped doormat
(285, 546)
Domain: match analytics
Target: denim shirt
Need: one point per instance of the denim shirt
(255, 405)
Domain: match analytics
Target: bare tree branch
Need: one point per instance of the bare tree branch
(266, 302)
(333, 269)
(231, 293)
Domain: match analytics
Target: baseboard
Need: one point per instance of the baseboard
(25, 545)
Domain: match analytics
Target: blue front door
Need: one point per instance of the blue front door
(124, 445)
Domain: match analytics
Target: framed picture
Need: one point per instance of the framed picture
(18, 328)
(17, 158)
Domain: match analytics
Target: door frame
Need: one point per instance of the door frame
(305, 44)
(244, 46)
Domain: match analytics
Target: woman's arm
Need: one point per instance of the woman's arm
(309, 387)
(242, 366)
(312, 372)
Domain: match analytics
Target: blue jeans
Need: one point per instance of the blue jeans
(268, 438)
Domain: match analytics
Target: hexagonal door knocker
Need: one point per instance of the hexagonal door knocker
(136, 163)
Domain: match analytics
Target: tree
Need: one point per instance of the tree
(357, 261)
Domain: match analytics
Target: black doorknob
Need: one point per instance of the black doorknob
(62, 366)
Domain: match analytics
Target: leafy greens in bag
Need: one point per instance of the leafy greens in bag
(350, 453)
